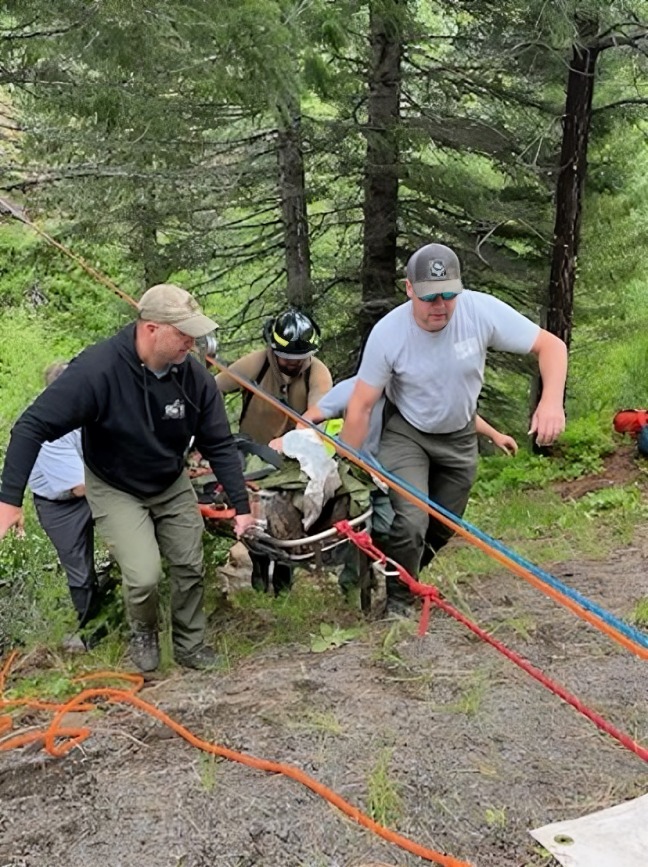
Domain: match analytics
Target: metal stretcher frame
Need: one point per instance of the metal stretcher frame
(319, 544)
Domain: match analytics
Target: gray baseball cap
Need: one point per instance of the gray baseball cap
(434, 268)
(170, 305)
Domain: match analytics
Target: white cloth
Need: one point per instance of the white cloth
(616, 837)
(58, 467)
(334, 405)
(435, 378)
(321, 469)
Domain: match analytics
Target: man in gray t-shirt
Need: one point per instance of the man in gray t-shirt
(427, 357)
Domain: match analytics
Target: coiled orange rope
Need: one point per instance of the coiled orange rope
(58, 740)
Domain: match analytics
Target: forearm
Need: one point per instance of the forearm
(226, 467)
(355, 429)
(226, 384)
(20, 458)
(216, 444)
(313, 415)
(483, 428)
(552, 363)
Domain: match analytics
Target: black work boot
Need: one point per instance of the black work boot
(144, 650)
(202, 657)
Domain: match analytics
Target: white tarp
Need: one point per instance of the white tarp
(616, 837)
(321, 469)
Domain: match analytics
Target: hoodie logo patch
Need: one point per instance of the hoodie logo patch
(175, 410)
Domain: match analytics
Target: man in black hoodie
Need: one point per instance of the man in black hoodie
(139, 398)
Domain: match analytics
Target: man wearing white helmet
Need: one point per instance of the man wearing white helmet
(427, 357)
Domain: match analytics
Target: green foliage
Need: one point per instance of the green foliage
(585, 442)
(544, 528)
(383, 796)
(639, 614)
(27, 346)
(330, 637)
(34, 601)
(251, 620)
(196, 200)
(53, 685)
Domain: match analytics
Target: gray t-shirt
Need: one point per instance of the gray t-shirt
(335, 402)
(434, 378)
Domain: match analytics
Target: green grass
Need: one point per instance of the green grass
(383, 797)
(495, 817)
(323, 722)
(251, 621)
(639, 614)
(207, 771)
(471, 698)
(514, 500)
(536, 523)
(543, 528)
(35, 607)
(55, 684)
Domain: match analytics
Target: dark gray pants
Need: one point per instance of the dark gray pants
(69, 526)
(137, 531)
(440, 466)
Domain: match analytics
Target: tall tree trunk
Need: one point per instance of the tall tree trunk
(571, 181)
(378, 273)
(143, 242)
(570, 187)
(292, 191)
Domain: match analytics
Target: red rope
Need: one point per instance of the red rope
(432, 596)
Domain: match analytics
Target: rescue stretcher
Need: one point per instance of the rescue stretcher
(323, 550)
(317, 551)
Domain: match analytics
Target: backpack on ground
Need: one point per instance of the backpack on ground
(633, 422)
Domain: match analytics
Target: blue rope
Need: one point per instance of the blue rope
(585, 603)
(609, 618)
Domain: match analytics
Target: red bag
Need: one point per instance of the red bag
(630, 421)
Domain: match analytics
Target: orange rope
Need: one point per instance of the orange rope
(591, 618)
(502, 558)
(58, 740)
(96, 275)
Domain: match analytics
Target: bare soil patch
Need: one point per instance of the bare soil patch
(623, 467)
(476, 751)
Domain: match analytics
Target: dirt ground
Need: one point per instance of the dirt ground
(474, 751)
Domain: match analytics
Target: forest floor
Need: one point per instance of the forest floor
(444, 738)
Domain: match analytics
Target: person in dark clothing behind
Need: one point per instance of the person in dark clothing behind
(139, 398)
(57, 483)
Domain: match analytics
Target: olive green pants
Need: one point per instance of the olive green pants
(139, 531)
(442, 467)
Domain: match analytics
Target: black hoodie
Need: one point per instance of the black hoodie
(136, 426)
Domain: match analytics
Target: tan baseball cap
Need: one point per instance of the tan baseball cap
(170, 305)
(434, 268)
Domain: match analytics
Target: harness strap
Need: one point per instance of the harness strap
(248, 396)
